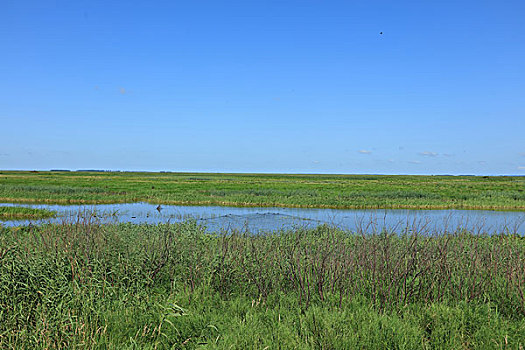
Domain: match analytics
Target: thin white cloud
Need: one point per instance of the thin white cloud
(482, 162)
(428, 154)
(315, 161)
(365, 151)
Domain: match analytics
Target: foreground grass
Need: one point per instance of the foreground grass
(18, 213)
(319, 191)
(83, 285)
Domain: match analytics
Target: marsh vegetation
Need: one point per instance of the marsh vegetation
(85, 285)
(274, 190)
(22, 213)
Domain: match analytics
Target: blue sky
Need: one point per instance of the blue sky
(264, 86)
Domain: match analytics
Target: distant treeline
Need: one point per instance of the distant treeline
(104, 171)
(88, 170)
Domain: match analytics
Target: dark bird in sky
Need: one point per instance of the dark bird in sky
(380, 33)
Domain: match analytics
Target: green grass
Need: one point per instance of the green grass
(19, 213)
(84, 285)
(317, 191)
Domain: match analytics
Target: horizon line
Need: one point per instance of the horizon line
(247, 173)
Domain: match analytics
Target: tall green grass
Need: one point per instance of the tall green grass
(333, 191)
(20, 213)
(85, 285)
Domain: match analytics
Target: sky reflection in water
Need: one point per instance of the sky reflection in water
(272, 219)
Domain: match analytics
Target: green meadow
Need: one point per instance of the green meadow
(172, 286)
(308, 191)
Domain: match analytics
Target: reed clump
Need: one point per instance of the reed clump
(83, 284)
(20, 213)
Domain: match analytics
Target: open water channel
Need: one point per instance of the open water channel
(265, 219)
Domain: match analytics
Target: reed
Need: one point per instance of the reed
(281, 190)
(84, 284)
(19, 213)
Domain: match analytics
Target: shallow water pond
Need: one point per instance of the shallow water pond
(272, 219)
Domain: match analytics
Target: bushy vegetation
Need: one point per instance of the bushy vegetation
(85, 285)
(320, 191)
(19, 213)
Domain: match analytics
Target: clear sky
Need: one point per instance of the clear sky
(264, 86)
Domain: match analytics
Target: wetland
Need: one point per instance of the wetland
(179, 260)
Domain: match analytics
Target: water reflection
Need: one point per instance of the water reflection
(271, 219)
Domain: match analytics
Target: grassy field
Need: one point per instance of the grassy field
(16, 213)
(83, 285)
(320, 191)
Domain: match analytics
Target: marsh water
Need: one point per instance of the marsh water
(255, 220)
